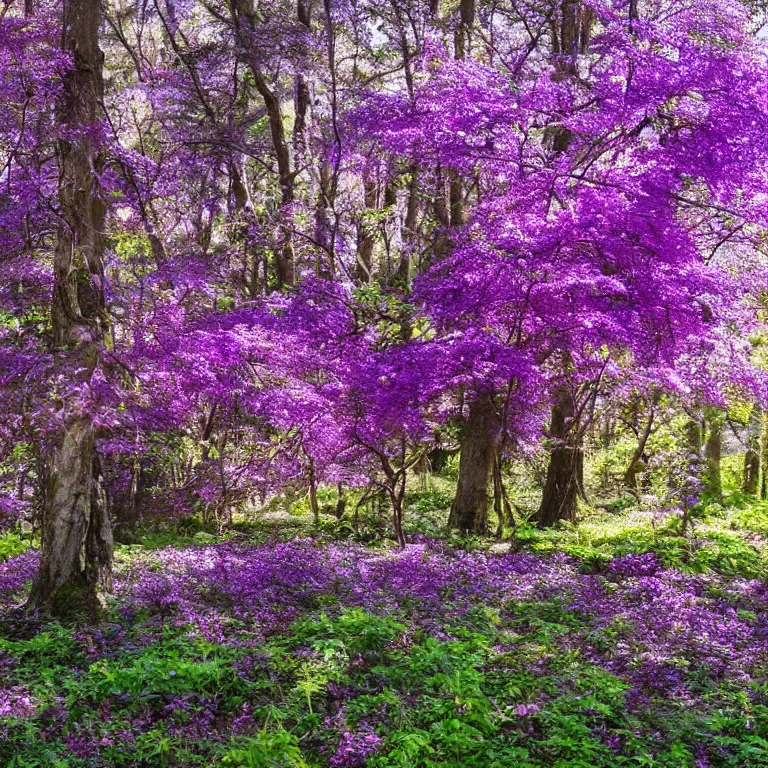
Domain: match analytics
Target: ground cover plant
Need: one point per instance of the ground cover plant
(307, 652)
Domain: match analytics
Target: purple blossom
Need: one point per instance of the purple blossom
(355, 748)
(635, 565)
(16, 702)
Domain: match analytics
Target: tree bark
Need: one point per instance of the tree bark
(244, 22)
(469, 511)
(630, 476)
(462, 37)
(302, 96)
(764, 456)
(565, 472)
(124, 506)
(694, 436)
(713, 453)
(313, 505)
(366, 234)
(76, 537)
(480, 435)
(751, 473)
(501, 504)
(341, 501)
(409, 228)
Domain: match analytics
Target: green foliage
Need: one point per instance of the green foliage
(351, 633)
(270, 748)
(427, 510)
(48, 650)
(159, 671)
(729, 541)
(12, 544)
(507, 690)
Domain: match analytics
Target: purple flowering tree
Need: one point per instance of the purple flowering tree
(251, 250)
(608, 185)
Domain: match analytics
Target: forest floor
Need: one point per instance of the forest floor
(615, 643)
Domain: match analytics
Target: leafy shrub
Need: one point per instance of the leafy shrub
(12, 545)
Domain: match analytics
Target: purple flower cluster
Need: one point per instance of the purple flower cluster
(16, 702)
(355, 748)
(660, 631)
(15, 573)
(635, 565)
(663, 622)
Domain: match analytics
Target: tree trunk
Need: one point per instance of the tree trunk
(410, 226)
(397, 519)
(313, 505)
(462, 36)
(366, 236)
(76, 538)
(124, 506)
(565, 472)
(636, 462)
(501, 505)
(302, 96)
(469, 511)
(636, 465)
(694, 436)
(396, 492)
(713, 452)
(244, 18)
(751, 471)
(561, 490)
(764, 456)
(341, 501)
